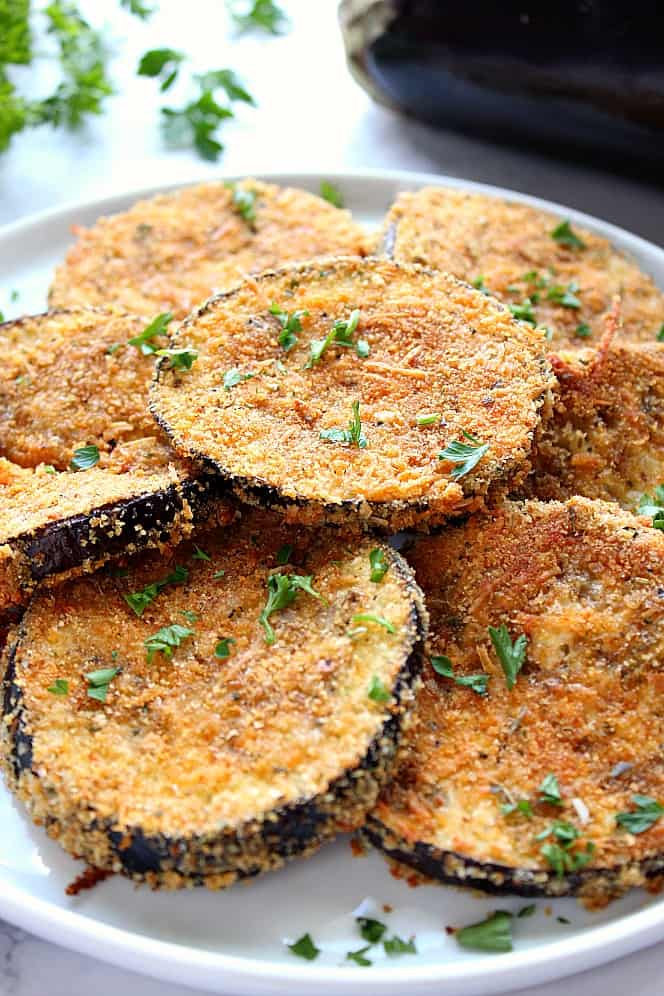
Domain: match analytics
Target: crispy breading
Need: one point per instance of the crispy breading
(584, 582)
(425, 344)
(509, 247)
(171, 252)
(207, 761)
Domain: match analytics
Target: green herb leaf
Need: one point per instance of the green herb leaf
(526, 911)
(583, 331)
(565, 236)
(218, 574)
(379, 564)
(550, 791)
(331, 194)
(157, 327)
(85, 457)
(244, 203)
(369, 617)
(353, 435)
(563, 861)
(377, 690)
(282, 592)
(230, 83)
(477, 682)
(523, 807)
(465, 455)
(291, 323)
(371, 930)
(165, 639)
(59, 687)
(190, 616)
(304, 947)
(511, 655)
(180, 359)
(163, 63)
(98, 682)
(48, 469)
(524, 311)
(199, 554)
(223, 648)
(138, 601)
(478, 284)
(660, 334)
(233, 377)
(138, 8)
(261, 15)
(648, 812)
(431, 419)
(492, 934)
(359, 956)
(341, 334)
(396, 946)
(284, 554)
(196, 125)
(653, 506)
(113, 348)
(564, 296)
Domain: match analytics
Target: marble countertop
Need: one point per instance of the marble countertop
(310, 115)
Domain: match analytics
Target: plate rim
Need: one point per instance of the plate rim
(241, 974)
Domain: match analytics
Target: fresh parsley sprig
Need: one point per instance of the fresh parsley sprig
(477, 682)
(466, 456)
(165, 639)
(564, 235)
(353, 435)
(648, 812)
(291, 324)
(138, 601)
(85, 457)
(198, 121)
(98, 682)
(156, 328)
(341, 334)
(511, 655)
(257, 15)
(282, 591)
(163, 64)
(493, 934)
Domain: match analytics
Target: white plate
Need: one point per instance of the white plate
(233, 942)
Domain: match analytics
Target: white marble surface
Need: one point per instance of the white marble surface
(310, 116)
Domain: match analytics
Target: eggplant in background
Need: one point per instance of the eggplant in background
(581, 79)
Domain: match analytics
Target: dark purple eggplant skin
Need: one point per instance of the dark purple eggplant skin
(501, 880)
(289, 831)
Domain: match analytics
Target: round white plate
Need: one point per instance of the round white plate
(234, 941)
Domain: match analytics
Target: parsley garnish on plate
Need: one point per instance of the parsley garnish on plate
(197, 123)
(660, 334)
(262, 15)
(244, 203)
(478, 284)
(304, 947)
(511, 655)
(566, 236)
(558, 853)
(477, 682)
(139, 600)
(396, 946)
(648, 811)
(353, 435)
(341, 334)
(138, 8)
(379, 564)
(653, 506)
(522, 806)
(59, 687)
(550, 791)
(524, 311)
(564, 296)
(157, 327)
(223, 648)
(378, 693)
(465, 455)
(431, 419)
(233, 377)
(282, 592)
(291, 323)
(331, 194)
(165, 639)
(583, 331)
(98, 682)
(370, 929)
(370, 617)
(526, 911)
(492, 934)
(179, 359)
(163, 63)
(85, 457)
(359, 956)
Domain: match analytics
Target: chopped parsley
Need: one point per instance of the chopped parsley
(197, 123)
(511, 655)
(48, 468)
(653, 506)
(477, 682)
(364, 617)
(353, 435)
(478, 284)
(165, 639)
(378, 692)
(233, 377)
(379, 564)
(359, 956)
(524, 311)
(431, 419)
(158, 326)
(341, 334)
(284, 554)
(223, 648)
(180, 359)
(85, 457)
(291, 324)
(492, 934)
(113, 348)
(199, 554)
(139, 600)
(566, 236)
(163, 63)
(396, 946)
(465, 455)
(138, 8)
(98, 682)
(583, 331)
(526, 911)
(550, 791)
(305, 948)
(282, 591)
(564, 296)
(59, 687)
(558, 853)
(218, 574)
(648, 811)
(331, 194)
(522, 807)
(660, 334)
(190, 616)
(371, 930)
(261, 15)
(244, 203)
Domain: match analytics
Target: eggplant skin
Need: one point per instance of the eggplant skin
(451, 868)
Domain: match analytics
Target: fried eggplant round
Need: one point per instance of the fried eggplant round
(548, 272)
(605, 438)
(534, 762)
(171, 252)
(356, 388)
(208, 716)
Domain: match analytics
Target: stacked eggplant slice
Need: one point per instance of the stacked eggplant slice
(217, 661)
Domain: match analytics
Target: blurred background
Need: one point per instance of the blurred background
(311, 113)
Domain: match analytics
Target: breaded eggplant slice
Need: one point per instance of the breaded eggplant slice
(217, 754)
(557, 276)
(69, 380)
(605, 438)
(520, 791)
(171, 252)
(340, 404)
